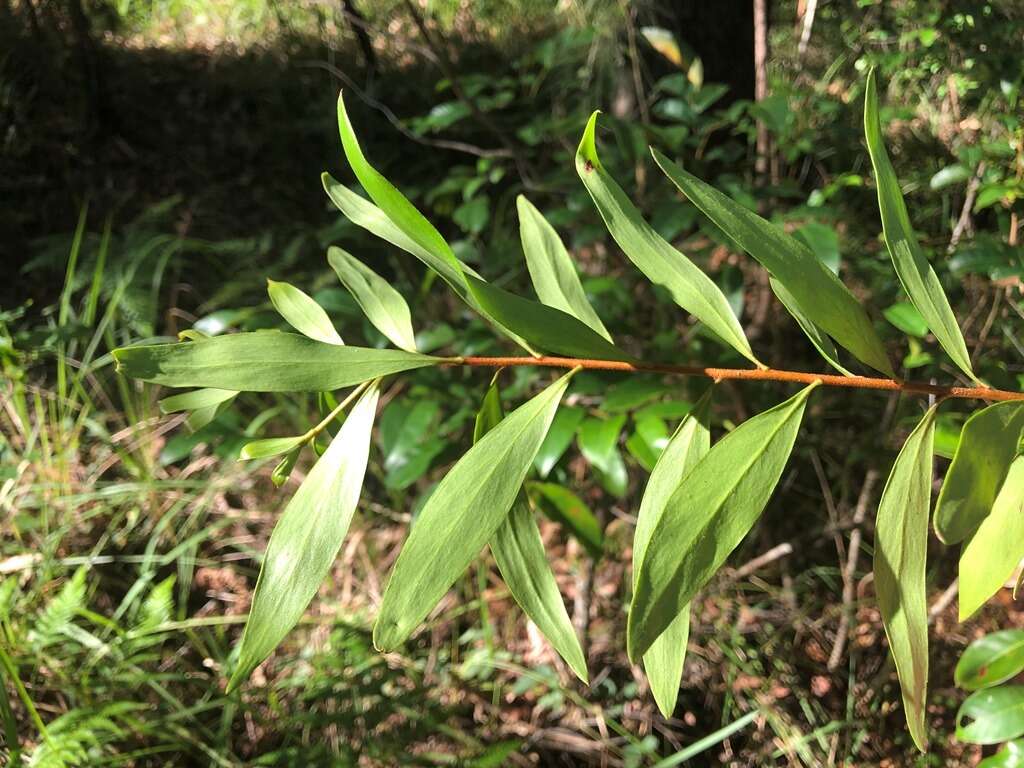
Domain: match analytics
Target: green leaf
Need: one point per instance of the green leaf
(263, 361)
(543, 326)
(915, 273)
(905, 316)
(551, 268)
(951, 174)
(570, 511)
(901, 548)
(599, 443)
(200, 398)
(306, 539)
(663, 265)
(302, 313)
(558, 439)
(519, 552)
(284, 468)
(991, 660)
(818, 337)
(821, 296)
(994, 551)
(271, 446)
(462, 514)
(707, 516)
(663, 661)
(997, 715)
(988, 444)
(1010, 756)
(383, 306)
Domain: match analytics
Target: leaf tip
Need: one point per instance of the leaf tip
(586, 154)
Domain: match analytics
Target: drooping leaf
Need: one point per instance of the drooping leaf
(302, 313)
(271, 446)
(383, 306)
(995, 715)
(663, 661)
(307, 538)
(199, 398)
(707, 516)
(915, 273)
(552, 269)
(994, 551)
(558, 439)
(263, 361)
(1010, 756)
(988, 444)
(461, 515)
(991, 660)
(519, 552)
(599, 443)
(901, 548)
(819, 294)
(817, 336)
(569, 510)
(663, 265)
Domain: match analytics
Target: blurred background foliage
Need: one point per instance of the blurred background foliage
(160, 159)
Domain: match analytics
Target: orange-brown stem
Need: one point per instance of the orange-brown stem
(749, 374)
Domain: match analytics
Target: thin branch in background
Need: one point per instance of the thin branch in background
(761, 80)
(965, 223)
(808, 23)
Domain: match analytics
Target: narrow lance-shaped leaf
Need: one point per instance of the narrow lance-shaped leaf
(519, 552)
(264, 361)
(461, 515)
(818, 337)
(271, 446)
(711, 511)
(551, 268)
(901, 547)
(302, 312)
(307, 538)
(820, 296)
(571, 512)
(663, 661)
(200, 398)
(383, 306)
(660, 262)
(994, 551)
(915, 273)
(988, 444)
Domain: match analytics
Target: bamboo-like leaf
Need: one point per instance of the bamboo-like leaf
(663, 661)
(711, 511)
(820, 296)
(915, 273)
(662, 264)
(383, 306)
(199, 398)
(462, 514)
(552, 269)
(307, 538)
(271, 446)
(988, 444)
(302, 313)
(543, 326)
(519, 552)
(901, 547)
(818, 337)
(264, 361)
(994, 551)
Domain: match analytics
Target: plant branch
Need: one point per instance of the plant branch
(917, 388)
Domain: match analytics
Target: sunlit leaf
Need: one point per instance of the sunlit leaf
(558, 439)
(570, 511)
(988, 444)
(1010, 756)
(821, 297)
(383, 306)
(991, 660)
(663, 661)
(599, 443)
(993, 552)
(905, 316)
(271, 446)
(200, 398)
(707, 516)
(915, 273)
(307, 537)
(552, 269)
(663, 265)
(302, 313)
(519, 552)
(901, 549)
(264, 361)
(462, 515)
(817, 336)
(991, 716)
